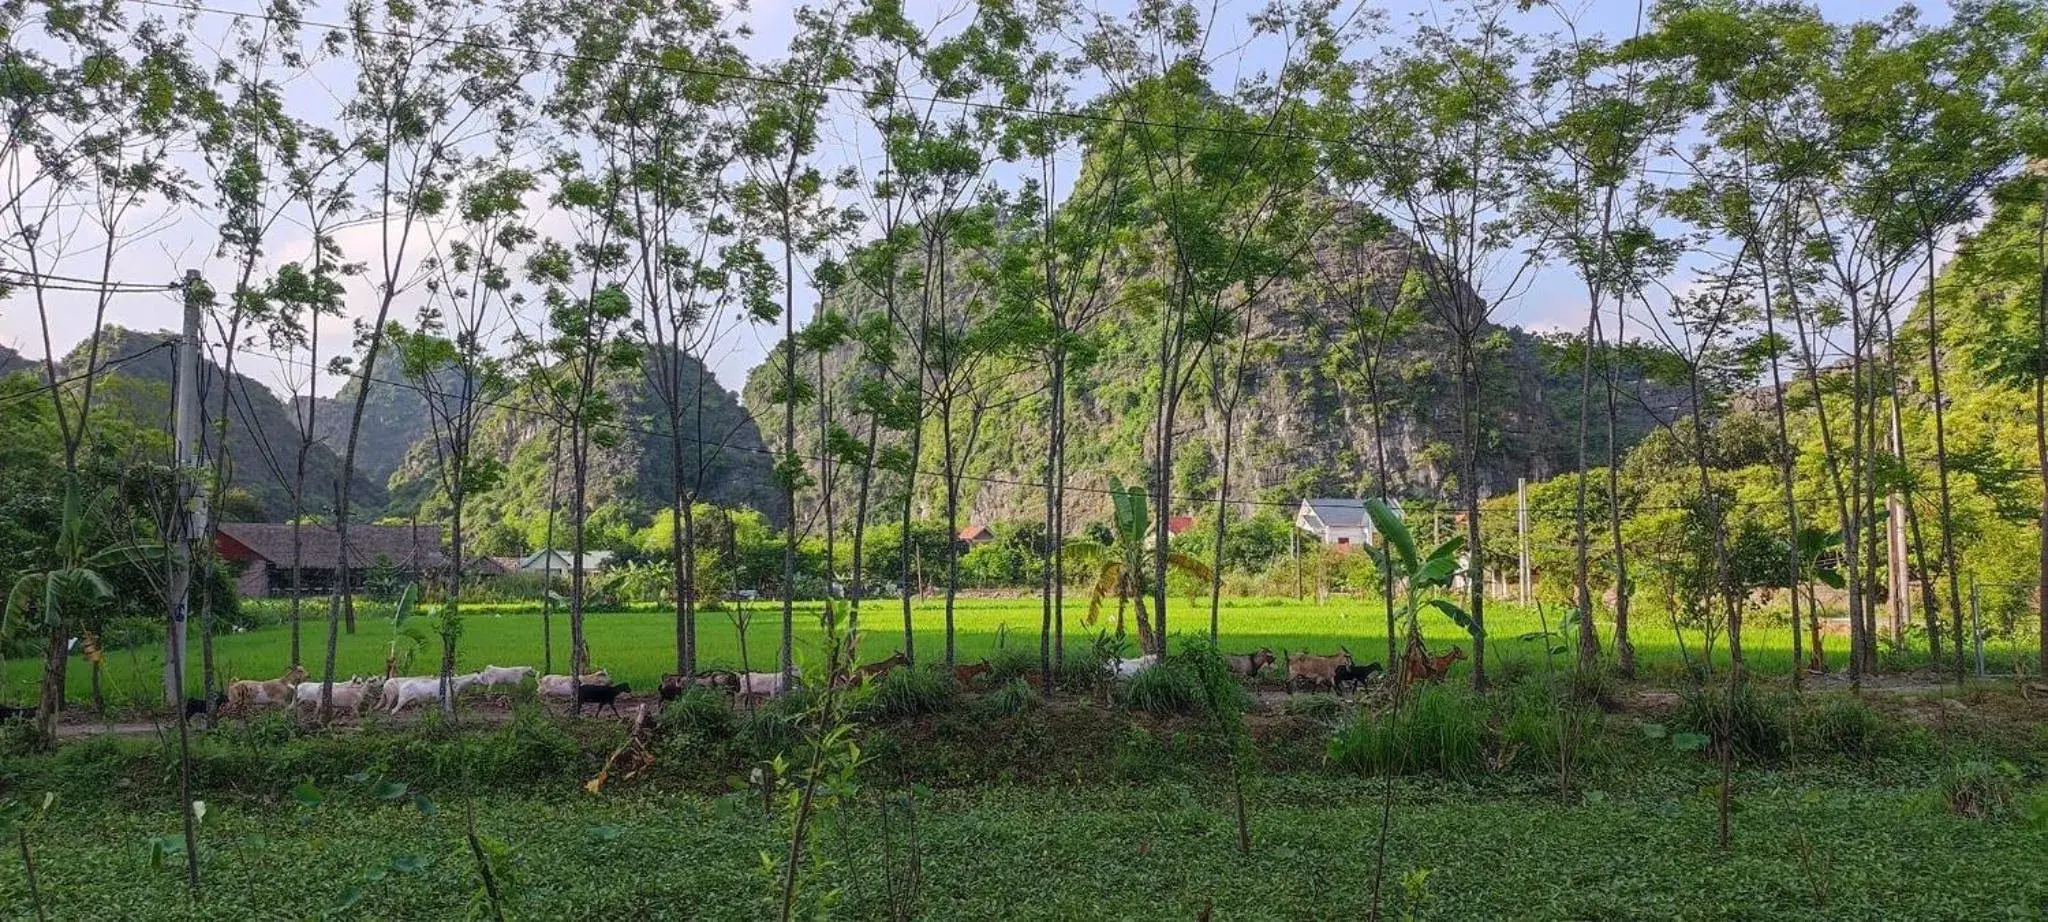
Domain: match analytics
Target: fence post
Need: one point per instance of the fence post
(1977, 623)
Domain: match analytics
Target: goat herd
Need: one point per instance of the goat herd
(393, 695)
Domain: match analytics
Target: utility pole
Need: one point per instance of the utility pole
(189, 518)
(1899, 583)
(1522, 536)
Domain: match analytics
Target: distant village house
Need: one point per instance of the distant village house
(558, 561)
(263, 552)
(1339, 522)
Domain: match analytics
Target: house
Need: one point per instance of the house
(263, 553)
(1176, 525)
(557, 561)
(977, 534)
(1338, 522)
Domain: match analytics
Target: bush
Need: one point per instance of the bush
(1014, 697)
(701, 713)
(1842, 725)
(1165, 688)
(1442, 729)
(911, 692)
(1320, 706)
(771, 729)
(1756, 724)
(1979, 790)
(1010, 662)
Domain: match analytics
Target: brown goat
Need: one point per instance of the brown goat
(1316, 670)
(248, 694)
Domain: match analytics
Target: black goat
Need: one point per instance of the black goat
(196, 707)
(604, 696)
(14, 713)
(1358, 675)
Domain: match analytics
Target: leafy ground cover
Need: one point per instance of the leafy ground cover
(639, 645)
(1150, 852)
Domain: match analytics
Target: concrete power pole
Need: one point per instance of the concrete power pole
(191, 515)
(1899, 586)
(1522, 536)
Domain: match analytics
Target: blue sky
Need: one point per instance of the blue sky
(176, 240)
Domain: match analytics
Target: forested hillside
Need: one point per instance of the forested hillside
(262, 436)
(630, 480)
(1304, 419)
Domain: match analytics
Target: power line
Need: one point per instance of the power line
(1197, 501)
(110, 365)
(69, 283)
(904, 95)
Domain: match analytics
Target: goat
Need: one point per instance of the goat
(1126, 668)
(504, 676)
(404, 691)
(675, 683)
(14, 713)
(764, 684)
(1358, 675)
(875, 669)
(559, 686)
(965, 675)
(1247, 665)
(604, 696)
(349, 696)
(1418, 666)
(1316, 670)
(248, 693)
(196, 707)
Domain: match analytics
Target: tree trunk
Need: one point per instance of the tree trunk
(1589, 634)
(1624, 648)
(2041, 421)
(1785, 476)
(1468, 413)
(788, 651)
(1948, 541)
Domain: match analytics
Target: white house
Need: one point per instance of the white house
(1337, 521)
(539, 561)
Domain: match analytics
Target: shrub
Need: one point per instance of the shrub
(1842, 725)
(1442, 729)
(702, 713)
(1756, 724)
(1979, 790)
(1320, 706)
(1014, 697)
(771, 729)
(911, 692)
(1166, 688)
(1010, 662)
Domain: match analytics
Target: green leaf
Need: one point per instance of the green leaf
(425, 805)
(357, 777)
(1453, 612)
(350, 896)
(391, 790)
(307, 795)
(1688, 742)
(606, 833)
(1655, 731)
(410, 864)
(1389, 524)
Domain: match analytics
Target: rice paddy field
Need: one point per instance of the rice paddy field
(638, 645)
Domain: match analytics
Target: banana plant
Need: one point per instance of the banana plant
(1399, 561)
(1122, 564)
(406, 639)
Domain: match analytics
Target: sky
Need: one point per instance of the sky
(165, 242)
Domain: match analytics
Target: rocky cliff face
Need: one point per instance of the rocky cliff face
(631, 461)
(262, 435)
(1303, 423)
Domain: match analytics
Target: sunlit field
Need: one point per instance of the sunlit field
(637, 646)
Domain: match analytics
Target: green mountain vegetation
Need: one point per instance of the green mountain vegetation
(262, 434)
(630, 480)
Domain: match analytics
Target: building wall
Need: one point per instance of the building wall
(254, 583)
